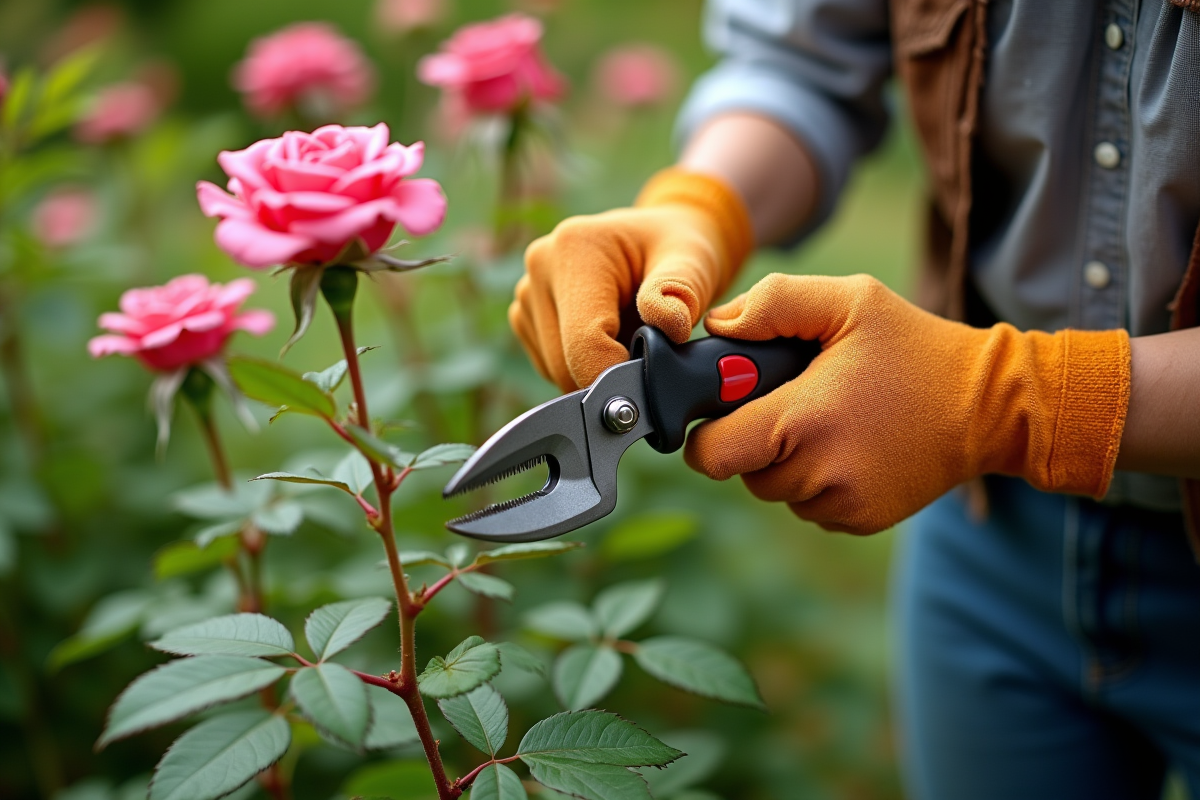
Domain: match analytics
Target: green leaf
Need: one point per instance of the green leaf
(186, 557)
(397, 780)
(332, 628)
(179, 688)
(17, 101)
(331, 378)
(109, 621)
(232, 635)
(621, 608)
(586, 780)
(378, 449)
(441, 455)
(480, 716)
(584, 674)
(420, 558)
(281, 518)
(219, 755)
(703, 753)
(334, 700)
(699, 668)
(210, 533)
(211, 501)
(562, 619)
(465, 645)
(458, 553)
(486, 585)
(277, 385)
(460, 671)
(596, 737)
(391, 722)
(315, 478)
(303, 291)
(513, 655)
(498, 782)
(512, 552)
(355, 471)
(649, 535)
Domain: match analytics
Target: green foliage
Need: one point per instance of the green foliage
(233, 635)
(334, 700)
(498, 782)
(276, 385)
(513, 655)
(180, 688)
(219, 755)
(396, 780)
(649, 535)
(514, 552)
(470, 664)
(315, 478)
(480, 716)
(331, 378)
(441, 455)
(184, 558)
(332, 628)
(391, 724)
(486, 585)
(699, 668)
(624, 607)
(595, 737)
(562, 620)
(588, 780)
(584, 674)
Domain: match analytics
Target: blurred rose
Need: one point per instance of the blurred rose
(637, 75)
(398, 17)
(92, 24)
(306, 197)
(64, 217)
(495, 66)
(118, 111)
(309, 66)
(3, 85)
(182, 323)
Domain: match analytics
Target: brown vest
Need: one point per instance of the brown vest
(940, 48)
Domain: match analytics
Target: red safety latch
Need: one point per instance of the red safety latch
(739, 376)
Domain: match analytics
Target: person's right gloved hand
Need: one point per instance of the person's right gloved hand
(677, 248)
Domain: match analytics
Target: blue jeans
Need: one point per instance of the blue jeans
(1051, 651)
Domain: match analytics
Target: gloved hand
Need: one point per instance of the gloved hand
(901, 405)
(681, 243)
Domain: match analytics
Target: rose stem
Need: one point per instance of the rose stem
(341, 303)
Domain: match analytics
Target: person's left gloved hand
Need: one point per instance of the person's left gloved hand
(902, 405)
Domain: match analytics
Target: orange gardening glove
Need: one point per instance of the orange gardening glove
(902, 405)
(677, 248)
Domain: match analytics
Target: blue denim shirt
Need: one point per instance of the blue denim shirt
(1087, 186)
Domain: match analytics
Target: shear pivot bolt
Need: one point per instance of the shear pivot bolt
(620, 415)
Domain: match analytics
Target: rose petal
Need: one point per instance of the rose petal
(216, 203)
(343, 227)
(163, 336)
(109, 345)
(234, 292)
(421, 205)
(198, 323)
(256, 321)
(251, 244)
(121, 323)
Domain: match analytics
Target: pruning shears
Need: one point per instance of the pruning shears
(581, 436)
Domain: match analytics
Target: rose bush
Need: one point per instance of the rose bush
(304, 63)
(637, 75)
(306, 197)
(121, 110)
(494, 66)
(64, 217)
(184, 322)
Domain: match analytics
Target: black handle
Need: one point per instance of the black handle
(688, 382)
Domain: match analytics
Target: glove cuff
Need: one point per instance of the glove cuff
(710, 195)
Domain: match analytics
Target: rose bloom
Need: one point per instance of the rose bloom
(636, 75)
(308, 63)
(305, 197)
(496, 66)
(182, 323)
(399, 17)
(64, 217)
(119, 111)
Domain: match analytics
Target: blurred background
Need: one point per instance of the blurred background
(90, 521)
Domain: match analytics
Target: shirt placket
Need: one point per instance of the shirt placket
(1103, 273)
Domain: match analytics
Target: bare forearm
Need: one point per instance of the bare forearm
(765, 163)
(1162, 428)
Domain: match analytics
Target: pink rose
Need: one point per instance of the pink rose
(308, 64)
(495, 65)
(64, 217)
(637, 75)
(3, 86)
(121, 110)
(182, 323)
(402, 16)
(305, 197)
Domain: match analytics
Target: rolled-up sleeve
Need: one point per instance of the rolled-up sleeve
(816, 66)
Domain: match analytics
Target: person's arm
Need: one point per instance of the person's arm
(772, 172)
(1162, 427)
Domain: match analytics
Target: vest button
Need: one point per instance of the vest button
(1114, 37)
(1107, 155)
(1096, 275)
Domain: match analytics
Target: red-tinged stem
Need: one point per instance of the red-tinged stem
(466, 780)
(391, 683)
(441, 583)
(216, 453)
(386, 483)
(622, 646)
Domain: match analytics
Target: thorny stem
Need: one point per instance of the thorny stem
(466, 780)
(386, 483)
